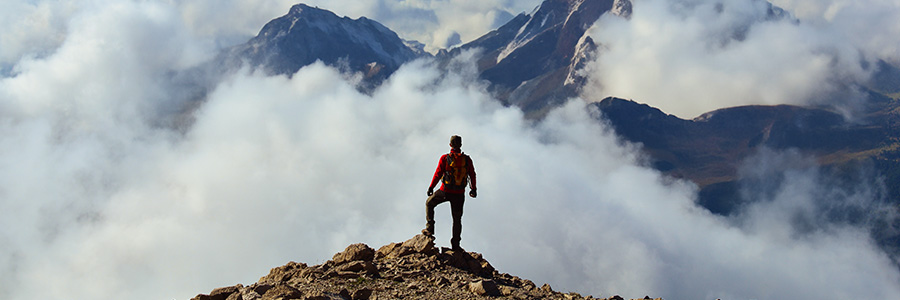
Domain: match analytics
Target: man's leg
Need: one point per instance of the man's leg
(456, 209)
(437, 198)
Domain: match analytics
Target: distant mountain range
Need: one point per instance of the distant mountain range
(532, 62)
(709, 149)
(309, 34)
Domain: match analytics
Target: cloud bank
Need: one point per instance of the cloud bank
(436, 23)
(102, 197)
(689, 57)
(38, 28)
(871, 24)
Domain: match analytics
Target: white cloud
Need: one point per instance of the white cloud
(31, 29)
(691, 57)
(870, 24)
(38, 28)
(432, 22)
(99, 201)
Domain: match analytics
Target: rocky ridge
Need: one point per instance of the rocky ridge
(533, 62)
(414, 269)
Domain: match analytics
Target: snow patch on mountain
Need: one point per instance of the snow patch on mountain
(542, 18)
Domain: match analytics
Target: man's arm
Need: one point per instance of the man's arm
(438, 173)
(470, 168)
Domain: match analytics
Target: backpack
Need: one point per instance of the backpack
(455, 171)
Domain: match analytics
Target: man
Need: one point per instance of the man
(454, 170)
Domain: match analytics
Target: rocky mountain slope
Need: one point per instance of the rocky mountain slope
(709, 149)
(307, 34)
(533, 60)
(414, 269)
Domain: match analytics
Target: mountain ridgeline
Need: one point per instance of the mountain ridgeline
(532, 62)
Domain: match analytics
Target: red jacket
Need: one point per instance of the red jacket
(439, 173)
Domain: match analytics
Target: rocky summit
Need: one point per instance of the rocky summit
(414, 269)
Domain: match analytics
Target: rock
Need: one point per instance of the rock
(421, 244)
(282, 291)
(361, 267)
(284, 273)
(546, 288)
(251, 292)
(362, 294)
(240, 296)
(390, 251)
(528, 285)
(261, 288)
(572, 296)
(219, 293)
(442, 281)
(484, 288)
(355, 252)
(616, 297)
(354, 269)
(470, 261)
(418, 244)
(345, 294)
(506, 290)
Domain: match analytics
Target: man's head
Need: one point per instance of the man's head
(456, 141)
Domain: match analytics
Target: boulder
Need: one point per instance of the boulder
(355, 252)
(219, 293)
(240, 296)
(345, 294)
(354, 269)
(282, 291)
(418, 244)
(261, 289)
(484, 288)
(284, 273)
(421, 244)
(362, 294)
(469, 261)
(391, 250)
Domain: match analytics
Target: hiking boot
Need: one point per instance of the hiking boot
(429, 229)
(457, 248)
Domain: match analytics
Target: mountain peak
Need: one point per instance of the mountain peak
(308, 34)
(412, 269)
(302, 9)
(533, 61)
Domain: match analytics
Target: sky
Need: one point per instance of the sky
(117, 182)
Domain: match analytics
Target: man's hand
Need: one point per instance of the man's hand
(430, 191)
(473, 194)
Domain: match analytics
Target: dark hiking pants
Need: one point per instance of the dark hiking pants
(456, 209)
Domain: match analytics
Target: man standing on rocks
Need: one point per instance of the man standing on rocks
(454, 170)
